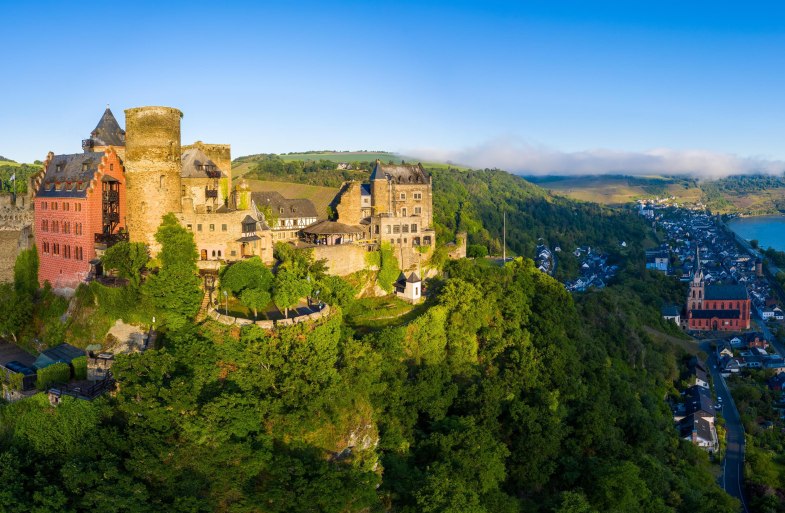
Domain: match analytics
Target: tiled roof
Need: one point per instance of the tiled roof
(68, 176)
(331, 228)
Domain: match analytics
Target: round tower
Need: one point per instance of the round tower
(152, 166)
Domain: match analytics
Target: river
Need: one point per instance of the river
(769, 231)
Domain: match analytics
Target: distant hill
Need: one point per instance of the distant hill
(743, 194)
(3, 160)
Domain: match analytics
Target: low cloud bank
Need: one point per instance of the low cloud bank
(523, 158)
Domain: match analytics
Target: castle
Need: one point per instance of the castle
(124, 181)
(716, 307)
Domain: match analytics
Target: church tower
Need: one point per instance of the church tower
(697, 286)
(153, 167)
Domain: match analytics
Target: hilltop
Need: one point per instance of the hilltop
(742, 194)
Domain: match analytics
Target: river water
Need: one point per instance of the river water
(769, 231)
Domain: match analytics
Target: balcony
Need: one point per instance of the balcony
(112, 196)
(110, 239)
(213, 174)
(209, 193)
(111, 217)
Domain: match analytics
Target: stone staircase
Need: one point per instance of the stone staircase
(202, 315)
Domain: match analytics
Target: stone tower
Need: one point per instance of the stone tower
(152, 165)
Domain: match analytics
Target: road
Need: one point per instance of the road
(733, 465)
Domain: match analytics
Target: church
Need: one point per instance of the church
(716, 307)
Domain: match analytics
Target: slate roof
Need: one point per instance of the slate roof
(714, 292)
(77, 169)
(12, 353)
(62, 353)
(670, 311)
(697, 399)
(400, 173)
(331, 228)
(718, 314)
(192, 161)
(698, 424)
(365, 189)
(108, 132)
(292, 208)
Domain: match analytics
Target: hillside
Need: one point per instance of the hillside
(320, 196)
(751, 195)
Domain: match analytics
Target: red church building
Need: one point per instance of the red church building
(717, 307)
(79, 206)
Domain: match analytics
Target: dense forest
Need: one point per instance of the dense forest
(503, 395)
(22, 172)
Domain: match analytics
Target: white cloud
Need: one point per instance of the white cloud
(521, 157)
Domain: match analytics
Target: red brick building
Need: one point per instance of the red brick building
(80, 206)
(717, 307)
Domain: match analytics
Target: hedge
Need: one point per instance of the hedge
(55, 373)
(80, 367)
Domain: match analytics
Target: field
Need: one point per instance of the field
(320, 196)
(617, 190)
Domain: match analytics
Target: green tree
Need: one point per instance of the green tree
(255, 299)
(128, 259)
(476, 251)
(250, 281)
(288, 289)
(174, 291)
(26, 273)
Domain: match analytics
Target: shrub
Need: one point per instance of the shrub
(80, 367)
(55, 373)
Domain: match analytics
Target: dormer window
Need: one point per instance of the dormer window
(280, 210)
(58, 167)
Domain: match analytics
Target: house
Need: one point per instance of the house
(64, 353)
(671, 313)
(767, 313)
(730, 365)
(409, 289)
(778, 314)
(699, 431)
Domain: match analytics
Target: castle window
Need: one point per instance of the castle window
(403, 196)
(417, 211)
(280, 210)
(161, 182)
(111, 167)
(56, 249)
(405, 229)
(213, 253)
(66, 206)
(418, 196)
(212, 227)
(219, 253)
(44, 205)
(198, 227)
(66, 251)
(414, 228)
(182, 190)
(403, 212)
(223, 227)
(376, 229)
(45, 225)
(54, 205)
(396, 229)
(78, 207)
(45, 247)
(190, 227)
(233, 253)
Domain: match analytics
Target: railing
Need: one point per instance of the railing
(111, 196)
(110, 239)
(213, 174)
(111, 217)
(209, 193)
(87, 392)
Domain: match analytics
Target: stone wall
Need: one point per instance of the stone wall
(342, 259)
(153, 169)
(458, 250)
(15, 233)
(265, 324)
(349, 207)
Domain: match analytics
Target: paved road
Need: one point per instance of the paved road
(733, 465)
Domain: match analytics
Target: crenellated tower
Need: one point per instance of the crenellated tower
(153, 167)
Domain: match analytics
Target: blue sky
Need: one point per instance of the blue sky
(538, 85)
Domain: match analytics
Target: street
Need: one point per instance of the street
(733, 465)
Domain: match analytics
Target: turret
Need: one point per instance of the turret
(152, 164)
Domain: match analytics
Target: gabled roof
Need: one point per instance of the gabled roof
(697, 399)
(76, 169)
(413, 278)
(698, 425)
(399, 173)
(108, 132)
(194, 162)
(63, 353)
(670, 311)
(732, 292)
(292, 208)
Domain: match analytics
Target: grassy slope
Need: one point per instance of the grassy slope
(320, 196)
